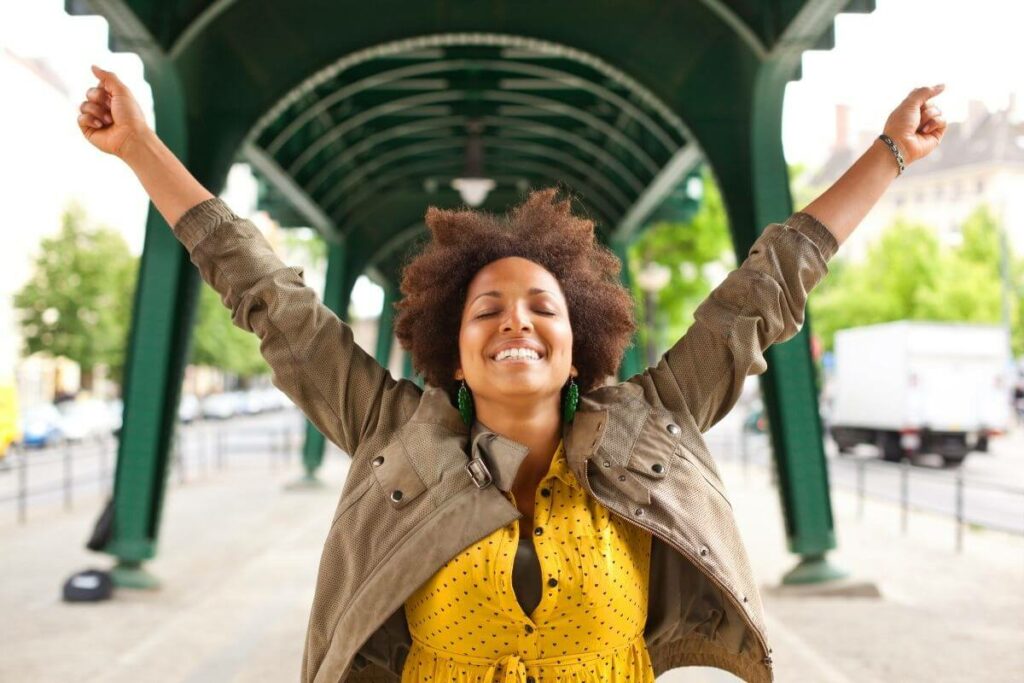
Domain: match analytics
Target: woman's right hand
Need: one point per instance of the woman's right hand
(110, 116)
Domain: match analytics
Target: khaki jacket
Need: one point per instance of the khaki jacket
(422, 487)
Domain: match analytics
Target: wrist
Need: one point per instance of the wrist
(136, 146)
(893, 152)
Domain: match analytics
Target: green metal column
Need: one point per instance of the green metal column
(385, 326)
(337, 291)
(160, 336)
(789, 386)
(633, 360)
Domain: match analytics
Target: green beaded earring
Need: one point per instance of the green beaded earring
(572, 399)
(465, 404)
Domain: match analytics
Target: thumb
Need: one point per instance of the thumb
(919, 96)
(109, 81)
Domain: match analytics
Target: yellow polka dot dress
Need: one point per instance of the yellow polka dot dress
(467, 625)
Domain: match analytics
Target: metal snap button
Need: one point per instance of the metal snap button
(538, 531)
(658, 468)
(396, 495)
(704, 551)
(622, 477)
(530, 679)
(673, 428)
(378, 461)
(606, 464)
(545, 492)
(639, 512)
(529, 629)
(552, 582)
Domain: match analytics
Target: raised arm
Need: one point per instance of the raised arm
(762, 302)
(310, 351)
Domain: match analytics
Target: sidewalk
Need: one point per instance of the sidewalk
(239, 554)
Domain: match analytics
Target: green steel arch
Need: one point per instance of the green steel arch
(356, 116)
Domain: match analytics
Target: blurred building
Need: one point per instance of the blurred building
(980, 161)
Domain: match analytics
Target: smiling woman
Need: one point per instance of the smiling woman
(558, 526)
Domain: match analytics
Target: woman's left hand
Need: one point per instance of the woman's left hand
(916, 125)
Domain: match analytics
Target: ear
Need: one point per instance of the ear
(459, 374)
(573, 372)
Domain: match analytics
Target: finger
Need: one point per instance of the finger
(930, 112)
(87, 121)
(96, 111)
(935, 125)
(921, 95)
(98, 95)
(110, 82)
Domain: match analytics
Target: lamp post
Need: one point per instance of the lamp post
(652, 278)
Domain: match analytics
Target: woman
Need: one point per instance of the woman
(521, 518)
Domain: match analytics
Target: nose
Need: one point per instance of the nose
(517, 320)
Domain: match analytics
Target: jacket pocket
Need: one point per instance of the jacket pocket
(398, 479)
(655, 446)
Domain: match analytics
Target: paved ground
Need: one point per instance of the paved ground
(239, 553)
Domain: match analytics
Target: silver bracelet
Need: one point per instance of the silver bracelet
(895, 150)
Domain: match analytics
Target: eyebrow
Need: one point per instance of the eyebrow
(495, 293)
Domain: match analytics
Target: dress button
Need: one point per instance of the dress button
(673, 428)
(538, 531)
(658, 468)
(545, 492)
(552, 582)
(529, 629)
(396, 495)
(378, 461)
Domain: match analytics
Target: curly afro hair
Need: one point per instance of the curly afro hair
(542, 229)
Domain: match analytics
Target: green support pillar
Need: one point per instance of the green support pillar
(385, 326)
(161, 328)
(633, 360)
(789, 386)
(337, 291)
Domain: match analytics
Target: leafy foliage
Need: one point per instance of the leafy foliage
(690, 250)
(78, 300)
(908, 275)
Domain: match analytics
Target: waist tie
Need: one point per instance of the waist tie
(515, 670)
(514, 666)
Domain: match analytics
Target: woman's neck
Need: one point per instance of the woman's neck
(537, 425)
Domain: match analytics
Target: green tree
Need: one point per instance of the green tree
(686, 249)
(77, 302)
(217, 342)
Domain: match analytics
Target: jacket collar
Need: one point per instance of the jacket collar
(503, 456)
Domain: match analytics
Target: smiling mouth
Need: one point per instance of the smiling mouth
(518, 356)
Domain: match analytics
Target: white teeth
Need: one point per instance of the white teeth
(517, 353)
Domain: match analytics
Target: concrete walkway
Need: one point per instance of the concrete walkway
(239, 555)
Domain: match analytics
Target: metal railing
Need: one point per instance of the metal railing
(967, 500)
(60, 474)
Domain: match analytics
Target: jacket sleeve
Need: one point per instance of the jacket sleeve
(760, 303)
(311, 352)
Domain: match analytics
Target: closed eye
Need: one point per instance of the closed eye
(490, 313)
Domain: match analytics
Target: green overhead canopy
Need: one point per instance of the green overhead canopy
(360, 114)
(357, 116)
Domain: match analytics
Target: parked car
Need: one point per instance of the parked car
(220, 406)
(10, 430)
(41, 426)
(189, 408)
(85, 419)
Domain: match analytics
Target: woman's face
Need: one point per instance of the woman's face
(514, 303)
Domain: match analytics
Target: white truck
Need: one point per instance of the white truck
(913, 387)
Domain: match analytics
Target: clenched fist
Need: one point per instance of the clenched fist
(916, 125)
(110, 116)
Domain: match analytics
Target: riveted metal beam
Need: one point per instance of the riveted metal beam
(267, 167)
(684, 161)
